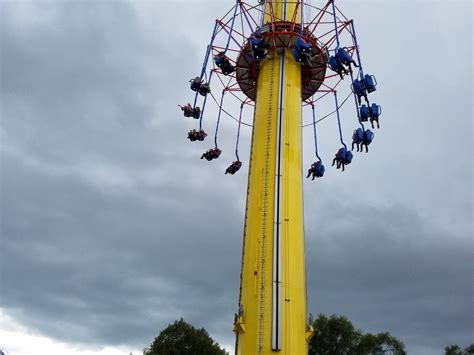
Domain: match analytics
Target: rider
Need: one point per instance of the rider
(316, 170)
(211, 154)
(234, 167)
(187, 109)
(195, 83)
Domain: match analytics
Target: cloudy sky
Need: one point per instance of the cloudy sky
(112, 227)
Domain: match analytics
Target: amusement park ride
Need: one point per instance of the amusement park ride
(277, 57)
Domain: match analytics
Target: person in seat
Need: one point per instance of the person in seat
(234, 167)
(204, 89)
(344, 58)
(258, 46)
(316, 170)
(192, 135)
(195, 83)
(343, 157)
(302, 51)
(211, 154)
(374, 114)
(223, 62)
(357, 138)
(201, 135)
(367, 138)
(359, 89)
(187, 109)
(196, 112)
(336, 66)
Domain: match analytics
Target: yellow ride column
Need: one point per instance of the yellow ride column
(272, 316)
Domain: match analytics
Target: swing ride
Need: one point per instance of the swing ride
(276, 57)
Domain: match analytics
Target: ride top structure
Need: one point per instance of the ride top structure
(276, 57)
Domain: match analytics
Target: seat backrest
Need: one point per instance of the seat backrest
(341, 153)
(369, 82)
(375, 110)
(320, 169)
(343, 55)
(348, 157)
(358, 135)
(333, 63)
(364, 112)
(368, 136)
(301, 44)
(359, 87)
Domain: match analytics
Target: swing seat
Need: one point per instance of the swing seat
(375, 111)
(343, 56)
(196, 113)
(368, 136)
(204, 89)
(257, 43)
(334, 64)
(302, 46)
(341, 153)
(364, 113)
(319, 169)
(259, 53)
(195, 86)
(227, 69)
(358, 87)
(347, 159)
(219, 60)
(297, 55)
(370, 83)
(358, 135)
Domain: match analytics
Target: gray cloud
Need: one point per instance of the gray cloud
(112, 227)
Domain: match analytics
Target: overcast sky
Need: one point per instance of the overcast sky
(112, 227)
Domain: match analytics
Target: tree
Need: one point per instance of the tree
(456, 350)
(337, 335)
(181, 338)
(452, 350)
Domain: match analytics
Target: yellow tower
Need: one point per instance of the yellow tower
(272, 315)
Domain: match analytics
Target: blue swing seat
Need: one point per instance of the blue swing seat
(368, 136)
(343, 56)
(219, 60)
(302, 46)
(375, 111)
(364, 113)
(257, 43)
(334, 64)
(370, 83)
(341, 153)
(319, 169)
(358, 135)
(358, 87)
(347, 157)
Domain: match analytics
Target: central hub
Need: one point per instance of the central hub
(280, 36)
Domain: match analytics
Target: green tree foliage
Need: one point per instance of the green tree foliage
(181, 338)
(456, 350)
(336, 335)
